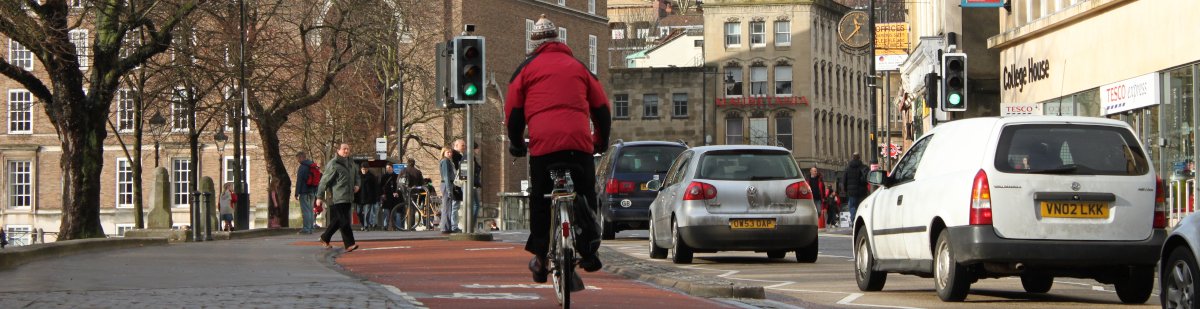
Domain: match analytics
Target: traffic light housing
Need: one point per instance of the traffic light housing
(468, 70)
(442, 90)
(954, 82)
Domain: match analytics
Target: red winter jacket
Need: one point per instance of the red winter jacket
(556, 95)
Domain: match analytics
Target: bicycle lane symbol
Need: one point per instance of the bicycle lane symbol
(487, 296)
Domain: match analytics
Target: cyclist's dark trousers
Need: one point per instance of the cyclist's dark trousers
(340, 221)
(539, 206)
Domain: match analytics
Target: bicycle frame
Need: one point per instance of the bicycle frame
(562, 255)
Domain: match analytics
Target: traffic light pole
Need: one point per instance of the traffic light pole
(871, 75)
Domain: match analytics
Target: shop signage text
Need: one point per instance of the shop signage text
(1017, 77)
(762, 101)
(1020, 109)
(1129, 94)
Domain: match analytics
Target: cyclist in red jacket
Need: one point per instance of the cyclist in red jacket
(555, 94)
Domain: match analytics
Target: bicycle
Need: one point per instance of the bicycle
(420, 202)
(562, 256)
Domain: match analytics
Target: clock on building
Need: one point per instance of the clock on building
(852, 29)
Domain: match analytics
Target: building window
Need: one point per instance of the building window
(562, 2)
(20, 112)
(592, 53)
(621, 106)
(650, 106)
(124, 183)
(758, 131)
(733, 89)
(125, 110)
(591, 6)
(783, 33)
(122, 228)
(79, 37)
(229, 165)
(19, 235)
(757, 38)
(562, 34)
(643, 33)
(77, 4)
(680, 103)
(733, 35)
(733, 131)
(783, 130)
(19, 55)
(758, 81)
(20, 184)
(783, 80)
(181, 171)
(663, 31)
(179, 111)
(528, 30)
(618, 34)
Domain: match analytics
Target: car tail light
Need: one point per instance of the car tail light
(981, 200)
(1160, 204)
(697, 191)
(616, 187)
(799, 191)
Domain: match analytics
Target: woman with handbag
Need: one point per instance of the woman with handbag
(452, 195)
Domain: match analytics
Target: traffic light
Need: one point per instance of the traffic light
(954, 82)
(442, 88)
(468, 70)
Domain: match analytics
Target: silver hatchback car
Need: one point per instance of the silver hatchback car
(733, 198)
(1178, 270)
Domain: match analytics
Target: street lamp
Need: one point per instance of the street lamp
(220, 138)
(157, 121)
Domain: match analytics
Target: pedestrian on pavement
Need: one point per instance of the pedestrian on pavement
(452, 196)
(3, 239)
(306, 192)
(816, 184)
(461, 146)
(368, 198)
(226, 206)
(556, 95)
(340, 183)
(854, 184)
(413, 178)
(390, 197)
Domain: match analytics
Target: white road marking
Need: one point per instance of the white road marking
(507, 296)
(516, 286)
(853, 296)
(386, 248)
(481, 249)
(409, 298)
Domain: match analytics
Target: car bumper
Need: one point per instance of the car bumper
(979, 243)
(723, 238)
(637, 213)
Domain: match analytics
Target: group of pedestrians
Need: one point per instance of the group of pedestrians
(453, 183)
(847, 193)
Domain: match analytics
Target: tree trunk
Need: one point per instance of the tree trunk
(268, 133)
(82, 162)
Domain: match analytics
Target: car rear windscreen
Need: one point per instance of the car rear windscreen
(1070, 149)
(647, 159)
(747, 165)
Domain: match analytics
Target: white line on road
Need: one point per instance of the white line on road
(481, 249)
(516, 286)
(850, 299)
(409, 298)
(386, 248)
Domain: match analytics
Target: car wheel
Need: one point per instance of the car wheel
(776, 254)
(1179, 280)
(608, 228)
(1034, 282)
(680, 252)
(1134, 286)
(950, 279)
(807, 254)
(656, 252)
(864, 261)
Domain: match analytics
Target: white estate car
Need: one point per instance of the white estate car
(1035, 197)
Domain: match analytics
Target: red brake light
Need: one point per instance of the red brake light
(799, 191)
(616, 186)
(1160, 204)
(697, 191)
(981, 200)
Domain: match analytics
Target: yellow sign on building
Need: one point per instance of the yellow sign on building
(891, 38)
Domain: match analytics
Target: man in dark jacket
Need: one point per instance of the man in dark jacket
(413, 177)
(389, 193)
(305, 193)
(341, 183)
(368, 198)
(555, 94)
(854, 184)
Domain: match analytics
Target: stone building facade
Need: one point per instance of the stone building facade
(660, 104)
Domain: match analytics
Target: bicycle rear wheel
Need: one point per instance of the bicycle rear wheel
(393, 223)
(562, 276)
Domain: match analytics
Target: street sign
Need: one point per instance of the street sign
(982, 3)
(397, 167)
(381, 144)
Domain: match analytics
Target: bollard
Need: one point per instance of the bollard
(204, 200)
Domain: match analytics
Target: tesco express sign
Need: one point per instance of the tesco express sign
(1130, 94)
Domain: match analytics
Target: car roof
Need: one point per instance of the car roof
(990, 122)
(703, 149)
(650, 143)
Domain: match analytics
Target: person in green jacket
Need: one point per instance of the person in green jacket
(340, 183)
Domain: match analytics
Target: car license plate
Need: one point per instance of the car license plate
(644, 187)
(752, 223)
(1074, 209)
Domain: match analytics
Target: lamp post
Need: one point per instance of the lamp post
(242, 211)
(157, 121)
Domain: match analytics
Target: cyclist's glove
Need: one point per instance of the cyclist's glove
(599, 147)
(517, 150)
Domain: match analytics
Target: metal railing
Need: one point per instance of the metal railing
(1180, 200)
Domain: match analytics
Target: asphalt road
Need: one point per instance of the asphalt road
(830, 281)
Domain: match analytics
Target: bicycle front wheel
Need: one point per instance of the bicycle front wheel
(394, 221)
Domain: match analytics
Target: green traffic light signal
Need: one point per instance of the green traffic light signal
(470, 90)
(954, 99)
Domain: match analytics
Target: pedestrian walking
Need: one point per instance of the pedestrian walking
(452, 196)
(340, 183)
(308, 176)
(816, 184)
(368, 198)
(3, 239)
(226, 206)
(854, 184)
(390, 197)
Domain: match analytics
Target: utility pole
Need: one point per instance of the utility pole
(239, 138)
(871, 79)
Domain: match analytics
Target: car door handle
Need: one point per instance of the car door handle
(899, 200)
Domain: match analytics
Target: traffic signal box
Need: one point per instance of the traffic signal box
(468, 70)
(954, 82)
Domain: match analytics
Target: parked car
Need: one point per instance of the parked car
(621, 177)
(1037, 197)
(733, 198)
(1178, 270)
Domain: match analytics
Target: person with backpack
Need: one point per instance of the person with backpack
(854, 184)
(308, 176)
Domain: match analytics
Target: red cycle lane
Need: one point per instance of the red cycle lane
(473, 274)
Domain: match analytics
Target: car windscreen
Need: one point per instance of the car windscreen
(1070, 149)
(747, 165)
(647, 159)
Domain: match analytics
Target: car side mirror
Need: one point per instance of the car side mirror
(878, 178)
(654, 185)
